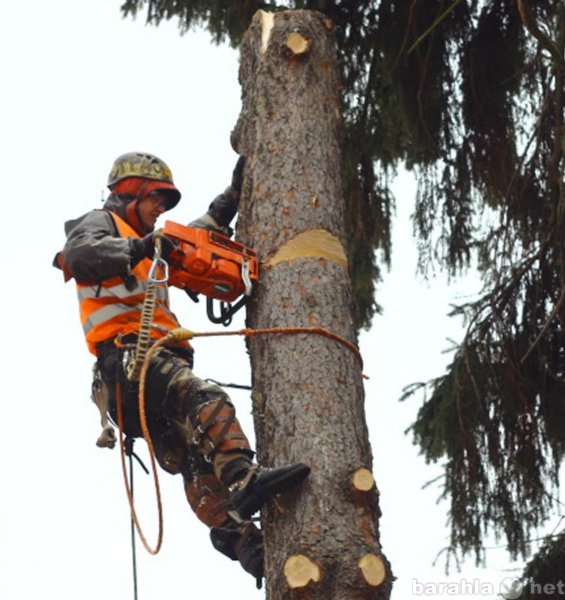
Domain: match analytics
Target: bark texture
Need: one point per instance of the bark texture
(322, 540)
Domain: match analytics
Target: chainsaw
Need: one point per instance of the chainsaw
(207, 262)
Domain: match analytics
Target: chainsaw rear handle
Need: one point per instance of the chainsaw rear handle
(227, 310)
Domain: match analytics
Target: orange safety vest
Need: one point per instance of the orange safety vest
(109, 308)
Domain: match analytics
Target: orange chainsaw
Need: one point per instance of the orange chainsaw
(207, 262)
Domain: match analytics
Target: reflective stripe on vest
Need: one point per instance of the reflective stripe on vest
(110, 308)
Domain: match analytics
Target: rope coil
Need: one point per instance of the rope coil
(129, 486)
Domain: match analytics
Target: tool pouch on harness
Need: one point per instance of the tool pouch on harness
(101, 397)
(110, 383)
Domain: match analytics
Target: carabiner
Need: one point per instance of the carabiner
(159, 262)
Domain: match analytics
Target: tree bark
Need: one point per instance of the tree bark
(322, 539)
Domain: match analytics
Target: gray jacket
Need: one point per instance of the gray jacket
(94, 250)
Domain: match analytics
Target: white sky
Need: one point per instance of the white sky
(79, 87)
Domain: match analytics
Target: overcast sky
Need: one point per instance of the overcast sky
(79, 87)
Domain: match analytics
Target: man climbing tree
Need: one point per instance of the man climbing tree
(189, 425)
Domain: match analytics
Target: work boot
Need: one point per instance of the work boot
(242, 542)
(259, 486)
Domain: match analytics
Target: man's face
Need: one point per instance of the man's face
(151, 208)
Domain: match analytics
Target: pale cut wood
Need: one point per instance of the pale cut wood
(314, 243)
(267, 22)
(362, 480)
(300, 571)
(373, 569)
(298, 43)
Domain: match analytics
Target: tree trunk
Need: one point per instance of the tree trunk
(321, 540)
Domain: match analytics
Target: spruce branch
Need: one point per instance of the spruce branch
(530, 24)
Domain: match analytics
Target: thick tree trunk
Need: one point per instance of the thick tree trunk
(322, 540)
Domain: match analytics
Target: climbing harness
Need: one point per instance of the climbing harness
(178, 335)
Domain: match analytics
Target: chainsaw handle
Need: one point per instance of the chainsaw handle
(226, 314)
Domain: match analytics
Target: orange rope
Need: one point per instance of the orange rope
(129, 492)
(179, 335)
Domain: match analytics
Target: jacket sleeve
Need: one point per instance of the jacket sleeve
(94, 251)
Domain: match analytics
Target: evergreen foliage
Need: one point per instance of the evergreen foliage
(543, 578)
(470, 95)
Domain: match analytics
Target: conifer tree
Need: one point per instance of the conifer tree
(470, 96)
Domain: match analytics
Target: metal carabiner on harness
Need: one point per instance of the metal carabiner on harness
(164, 266)
(158, 262)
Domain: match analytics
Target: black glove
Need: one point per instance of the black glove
(237, 175)
(142, 248)
(145, 247)
(167, 245)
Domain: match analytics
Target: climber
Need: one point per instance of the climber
(192, 423)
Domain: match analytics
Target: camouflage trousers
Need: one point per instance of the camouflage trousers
(192, 424)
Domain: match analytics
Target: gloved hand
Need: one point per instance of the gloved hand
(167, 244)
(141, 248)
(145, 247)
(208, 222)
